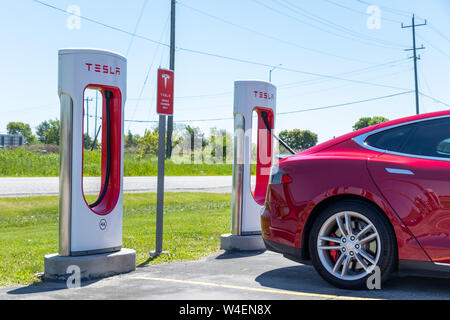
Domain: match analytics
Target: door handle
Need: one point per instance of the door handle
(399, 171)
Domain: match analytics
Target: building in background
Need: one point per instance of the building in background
(11, 140)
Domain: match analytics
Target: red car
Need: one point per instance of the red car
(379, 196)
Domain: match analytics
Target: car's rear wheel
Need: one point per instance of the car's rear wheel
(348, 240)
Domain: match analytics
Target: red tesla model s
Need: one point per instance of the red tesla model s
(376, 197)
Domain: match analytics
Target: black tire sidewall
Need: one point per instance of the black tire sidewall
(387, 259)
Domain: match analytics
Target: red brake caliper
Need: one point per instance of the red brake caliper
(334, 253)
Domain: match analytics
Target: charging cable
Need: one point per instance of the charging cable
(264, 115)
(108, 96)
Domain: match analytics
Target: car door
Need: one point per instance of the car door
(414, 176)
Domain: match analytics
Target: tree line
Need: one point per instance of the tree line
(48, 132)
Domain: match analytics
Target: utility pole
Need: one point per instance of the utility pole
(270, 72)
(171, 67)
(95, 121)
(87, 114)
(415, 57)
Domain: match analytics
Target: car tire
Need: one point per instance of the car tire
(353, 257)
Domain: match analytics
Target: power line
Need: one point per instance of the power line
(205, 95)
(149, 69)
(316, 80)
(359, 12)
(217, 107)
(435, 47)
(398, 12)
(303, 12)
(347, 103)
(290, 112)
(291, 70)
(204, 53)
(370, 69)
(102, 24)
(316, 27)
(342, 86)
(434, 99)
(136, 27)
(200, 96)
(433, 28)
(426, 83)
(266, 35)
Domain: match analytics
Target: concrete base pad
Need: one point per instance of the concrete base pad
(242, 243)
(91, 266)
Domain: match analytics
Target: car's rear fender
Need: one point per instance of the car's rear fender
(317, 184)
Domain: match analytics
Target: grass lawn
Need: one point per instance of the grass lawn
(20, 162)
(193, 223)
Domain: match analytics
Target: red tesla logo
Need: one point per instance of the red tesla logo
(263, 95)
(102, 68)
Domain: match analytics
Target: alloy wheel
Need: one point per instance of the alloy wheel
(348, 245)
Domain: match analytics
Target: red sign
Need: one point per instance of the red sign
(164, 102)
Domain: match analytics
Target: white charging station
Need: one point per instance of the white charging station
(91, 230)
(246, 205)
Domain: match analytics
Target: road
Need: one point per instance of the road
(40, 186)
(224, 275)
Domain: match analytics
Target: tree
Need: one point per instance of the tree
(194, 140)
(48, 131)
(298, 139)
(220, 143)
(23, 129)
(149, 142)
(131, 140)
(368, 121)
(87, 141)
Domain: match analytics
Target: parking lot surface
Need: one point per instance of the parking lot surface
(260, 275)
(49, 186)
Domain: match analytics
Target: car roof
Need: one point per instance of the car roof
(332, 142)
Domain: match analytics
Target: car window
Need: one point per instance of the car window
(444, 147)
(391, 139)
(429, 138)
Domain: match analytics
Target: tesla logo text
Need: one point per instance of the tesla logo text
(102, 68)
(263, 95)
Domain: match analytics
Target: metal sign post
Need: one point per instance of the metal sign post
(164, 106)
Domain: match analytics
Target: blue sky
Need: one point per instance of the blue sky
(308, 38)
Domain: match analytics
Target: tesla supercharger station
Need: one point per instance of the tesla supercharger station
(89, 233)
(246, 205)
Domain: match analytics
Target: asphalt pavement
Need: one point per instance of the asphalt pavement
(258, 275)
(49, 186)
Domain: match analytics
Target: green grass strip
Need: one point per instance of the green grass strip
(193, 223)
(20, 162)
